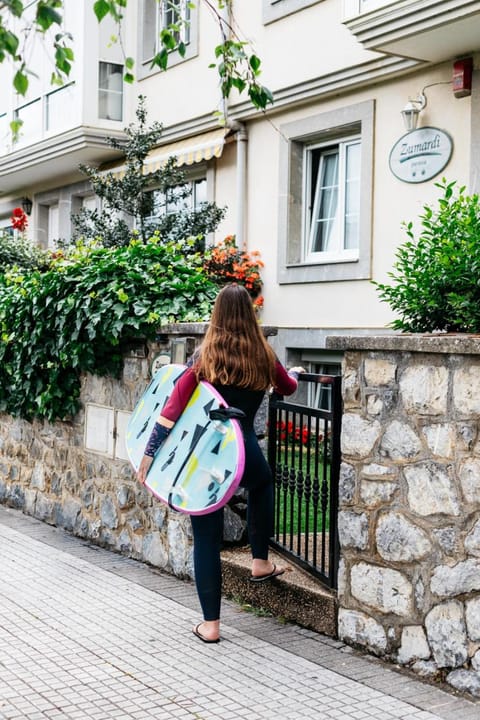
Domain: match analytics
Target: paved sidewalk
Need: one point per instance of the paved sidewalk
(89, 635)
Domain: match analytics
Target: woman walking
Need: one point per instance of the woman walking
(236, 359)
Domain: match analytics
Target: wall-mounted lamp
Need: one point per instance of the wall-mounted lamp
(27, 205)
(412, 110)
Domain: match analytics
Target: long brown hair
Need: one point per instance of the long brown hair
(234, 351)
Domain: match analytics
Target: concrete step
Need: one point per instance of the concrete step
(295, 596)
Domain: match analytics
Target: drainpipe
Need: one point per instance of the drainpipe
(242, 138)
(241, 193)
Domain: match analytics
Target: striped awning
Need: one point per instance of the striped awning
(187, 152)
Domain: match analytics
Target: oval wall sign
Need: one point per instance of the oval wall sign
(420, 154)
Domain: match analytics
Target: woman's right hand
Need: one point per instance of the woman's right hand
(297, 370)
(143, 468)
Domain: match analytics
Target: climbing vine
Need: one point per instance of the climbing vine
(81, 313)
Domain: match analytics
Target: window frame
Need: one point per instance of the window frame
(109, 91)
(277, 9)
(143, 64)
(355, 121)
(338, 254)
(199, 174)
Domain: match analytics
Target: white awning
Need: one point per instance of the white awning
(187, 152)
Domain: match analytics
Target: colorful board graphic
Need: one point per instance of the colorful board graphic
(200, 465)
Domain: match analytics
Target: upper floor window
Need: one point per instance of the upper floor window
(332, 200)
(277, 9)
(179, 18)
(110, 91)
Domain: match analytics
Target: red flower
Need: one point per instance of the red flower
(19, 219)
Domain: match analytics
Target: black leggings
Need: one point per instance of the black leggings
(207, 543)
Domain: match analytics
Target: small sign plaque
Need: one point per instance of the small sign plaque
(420, 154)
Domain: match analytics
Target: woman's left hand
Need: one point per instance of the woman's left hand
(143, 468)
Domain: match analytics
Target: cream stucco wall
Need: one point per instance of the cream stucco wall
(352, 303)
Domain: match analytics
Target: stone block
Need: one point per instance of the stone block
(374, 470)
(351, 389)
(399, 540)
(447, 539)
(465, 681)
(154, 550)
(353, 530)
(361, 629)
(469, 474)
(472, 617)
(373, 493)
(177, 545)
(400, 442)
(383, 589)
(359, 435)
(466, 398)
(378, 372)
(447, 634)
(374, 404)
(108, 513)
(472, 541)
(430, 490)
(464, 577)
(440, 439)
(424, 390)
(125, 497)
(346, 484)
(414, 645)
(16, 497)
(425, 668)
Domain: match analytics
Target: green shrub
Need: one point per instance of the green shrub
(20, 252)
(77, 317)
(437, 277)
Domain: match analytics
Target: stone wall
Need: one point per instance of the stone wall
(46, 471)
(409, 520)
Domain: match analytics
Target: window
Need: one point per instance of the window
(277, 9)
(326, 165)
(320, 395)
(110, 91)
(184, 197)
(157, 16)
(332, 201)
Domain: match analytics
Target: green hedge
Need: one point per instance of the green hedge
(78, 316)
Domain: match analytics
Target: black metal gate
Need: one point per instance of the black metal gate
(304, 454)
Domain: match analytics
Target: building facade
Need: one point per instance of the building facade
(320, 184)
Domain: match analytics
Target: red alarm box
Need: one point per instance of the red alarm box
(462, 77)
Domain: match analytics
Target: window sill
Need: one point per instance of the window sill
(334, 270)
(328, 259)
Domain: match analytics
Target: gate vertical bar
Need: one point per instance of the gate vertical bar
(334, 549)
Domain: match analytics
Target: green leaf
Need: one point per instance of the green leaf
(254, 63)
(129, 63)
(20, 82)
(101, 8)
(47, 16)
